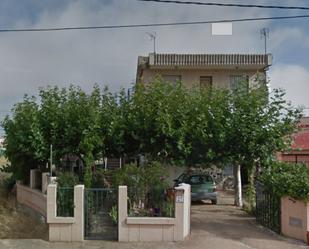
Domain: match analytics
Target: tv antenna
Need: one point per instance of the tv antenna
(265, 35)
(153, 37)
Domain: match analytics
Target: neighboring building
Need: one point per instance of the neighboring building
(204, 70)
(299, 152)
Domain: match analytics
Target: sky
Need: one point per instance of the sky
(109, 57)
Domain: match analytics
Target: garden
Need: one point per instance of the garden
(163, 123)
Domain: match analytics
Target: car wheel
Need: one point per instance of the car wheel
(214, 202)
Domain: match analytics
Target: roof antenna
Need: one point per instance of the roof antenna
(265, 35)
(153, 37)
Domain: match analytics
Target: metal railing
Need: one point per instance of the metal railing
(101, 213)
(268, 208)
(65, 202)
(154, 203)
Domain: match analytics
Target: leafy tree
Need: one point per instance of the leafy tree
(260, 126)
(162, 121)
(23, 139)
(285, 179)
(154, 119)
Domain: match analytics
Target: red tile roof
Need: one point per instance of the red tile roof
(301, 141)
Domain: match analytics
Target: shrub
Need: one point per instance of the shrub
(67, 179)
(285, 179)
(65, 193)
(8, 183)
(146, 189)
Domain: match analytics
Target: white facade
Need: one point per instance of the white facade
(210, 70)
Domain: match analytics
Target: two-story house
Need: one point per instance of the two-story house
(204, 70)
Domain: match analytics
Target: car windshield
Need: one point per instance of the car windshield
(200, 179)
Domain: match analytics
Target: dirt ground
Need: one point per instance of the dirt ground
(14, 224)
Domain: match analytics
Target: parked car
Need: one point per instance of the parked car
(203, 186)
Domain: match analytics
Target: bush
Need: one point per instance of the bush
(146, 189)
(67, 179)
(8, 183)
(285, 179)
(65, 193)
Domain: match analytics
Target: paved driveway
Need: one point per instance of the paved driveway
(213, 227)
(225, 226)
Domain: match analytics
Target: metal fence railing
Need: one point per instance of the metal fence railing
(268, 208)
(153, 203)
(101, 213)
(65, 201)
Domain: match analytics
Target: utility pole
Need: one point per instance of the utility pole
(153, 37)
(265, 35)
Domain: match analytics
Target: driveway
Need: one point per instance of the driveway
(220, 226)
(226, 226)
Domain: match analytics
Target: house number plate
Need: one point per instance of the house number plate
(179, 198)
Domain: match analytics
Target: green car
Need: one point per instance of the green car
(203, 186)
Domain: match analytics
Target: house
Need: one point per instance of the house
(299, 152)
(204, 70)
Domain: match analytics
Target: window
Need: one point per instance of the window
(205, 81)
(172, 78)
(238, 80)
(200, 179)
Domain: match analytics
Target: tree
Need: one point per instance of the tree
(260, 126)
(69, 119)
(23, 138)
(154, 120)
(163, 121)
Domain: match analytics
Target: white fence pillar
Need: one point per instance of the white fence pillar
(65, 228)
(182, 211)
(123, 231)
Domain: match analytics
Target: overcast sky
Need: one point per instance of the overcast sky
(109, 57)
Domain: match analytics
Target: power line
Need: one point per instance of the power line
(230, 5)
(153, 24)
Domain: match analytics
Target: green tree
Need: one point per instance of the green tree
(261, 125)
(164, 122)
(23, 138)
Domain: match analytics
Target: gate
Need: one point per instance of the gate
(268, 208)
(101, 214)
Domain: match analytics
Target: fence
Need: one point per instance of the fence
(65, 228)
(268, 208)
(155, 228)
(101, 213)
(129, 228)
(157, 202)
(65, 201)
